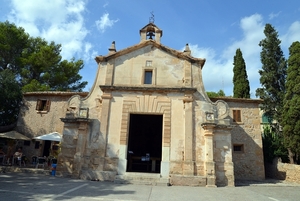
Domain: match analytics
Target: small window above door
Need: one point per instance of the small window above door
(148, 63)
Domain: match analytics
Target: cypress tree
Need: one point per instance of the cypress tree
(291, 112)
(272, 75)
(241, 88)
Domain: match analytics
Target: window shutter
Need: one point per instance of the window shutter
(38, 104)
(237, 115)
(48, 103)
(239, 119)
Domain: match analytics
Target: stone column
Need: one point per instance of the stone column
(188, 131)
(104, 122)
(79, 160)
(209, 154)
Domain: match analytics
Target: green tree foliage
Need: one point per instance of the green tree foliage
(272, 75)
(13, 40)
(212, 94)
(291, 112)
(31, 64)
(37, 64)
(241, 88)
(10, 99)
(273, 145)
(43, 69)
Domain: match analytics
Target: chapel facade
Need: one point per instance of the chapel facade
(148, 117)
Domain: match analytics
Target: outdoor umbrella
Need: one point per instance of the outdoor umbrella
(14, 135)
(55, 136)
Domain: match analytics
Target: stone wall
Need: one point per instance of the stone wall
(283, 171)
(248, 163)
(33, 123)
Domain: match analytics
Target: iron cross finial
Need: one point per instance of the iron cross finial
(151, 19)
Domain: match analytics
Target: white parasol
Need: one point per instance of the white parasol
(55, 136)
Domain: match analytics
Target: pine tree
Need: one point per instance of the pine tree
(10, 99)
(241, 88)
(273, 75)
(291, 112)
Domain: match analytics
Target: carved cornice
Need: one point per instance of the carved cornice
(108, 88)
(188, 98)
(215, 125)
(55, 93)
(75, 120)
(208, 125)
(237, 100)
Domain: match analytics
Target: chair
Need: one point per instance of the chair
(3, 157)
(19, 160)
(34, 160)
(22, 161)
(40, 162)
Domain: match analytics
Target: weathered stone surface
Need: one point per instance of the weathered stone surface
(248, 164)
(283, 171)
(97, 175)
(182, 180)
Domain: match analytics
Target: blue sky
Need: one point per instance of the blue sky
(214, 29)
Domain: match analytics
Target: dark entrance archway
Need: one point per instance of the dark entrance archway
(144, 143)
(47, 147)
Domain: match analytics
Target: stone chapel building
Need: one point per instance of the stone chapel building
(148, 118)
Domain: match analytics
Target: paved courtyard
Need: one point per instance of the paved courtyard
(30, 186)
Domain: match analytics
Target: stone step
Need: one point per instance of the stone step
(142, 179)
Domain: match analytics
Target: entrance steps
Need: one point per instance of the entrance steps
(141, 179)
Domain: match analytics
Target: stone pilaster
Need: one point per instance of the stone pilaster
(71, 159)
(79, 160)
(188, 130)
(209, 154)
(109, 74)
(187, 74)
(104, 120)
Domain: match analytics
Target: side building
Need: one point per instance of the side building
(40, 115)
(247, 154)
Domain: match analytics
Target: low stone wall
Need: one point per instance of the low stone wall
(283, 171)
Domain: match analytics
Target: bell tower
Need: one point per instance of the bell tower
(151, 31)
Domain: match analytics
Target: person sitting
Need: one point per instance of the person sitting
(2, 155)
(18, 155)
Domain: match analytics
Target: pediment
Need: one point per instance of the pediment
(153, 43)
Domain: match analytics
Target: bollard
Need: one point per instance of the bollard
(53, 169)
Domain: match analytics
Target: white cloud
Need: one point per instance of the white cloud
(105, 22)
(218, 70)
(292, 35)
(274, 15)
(106, 4)
(55, 20)
(89, 53)
(215, 74)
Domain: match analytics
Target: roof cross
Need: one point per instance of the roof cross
(151, 19)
